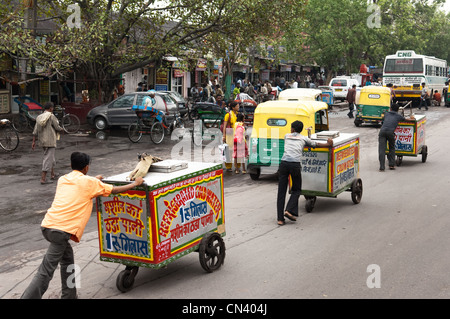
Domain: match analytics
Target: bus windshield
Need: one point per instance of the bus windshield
(403, 66)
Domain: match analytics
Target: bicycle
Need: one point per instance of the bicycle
(152, 121)
(69, 122)
(29, 112)
(9, 138)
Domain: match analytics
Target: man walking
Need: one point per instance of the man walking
(46, 130)
(351, 98)
(66, 219)
(423, 97)
(387, 135)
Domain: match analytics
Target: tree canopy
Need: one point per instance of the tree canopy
(111, 37)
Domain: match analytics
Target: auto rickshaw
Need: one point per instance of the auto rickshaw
(300, 94)
(272, 122)
(373, 102)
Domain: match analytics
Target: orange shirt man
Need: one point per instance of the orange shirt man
(66, 219)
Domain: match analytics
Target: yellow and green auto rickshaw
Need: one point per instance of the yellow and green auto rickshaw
(272, 122)
(373, 102)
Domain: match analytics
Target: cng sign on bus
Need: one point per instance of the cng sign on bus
(405, 54)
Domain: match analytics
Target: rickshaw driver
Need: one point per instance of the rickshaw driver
(150, 99)
(290, 165)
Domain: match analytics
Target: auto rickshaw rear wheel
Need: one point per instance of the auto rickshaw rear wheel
(211, 252)
(125, 279)
(357, 191)
(254, 174)
(399, 160)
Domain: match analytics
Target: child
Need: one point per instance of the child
(240, 151)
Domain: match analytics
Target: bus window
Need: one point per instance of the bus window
(403, 66)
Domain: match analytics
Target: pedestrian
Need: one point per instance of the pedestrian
(393, 96)
(236, 90)
(290, 165)
(220, 102)
(66, 220)
(437, 98)
(240, 150)
(46, 130)
(387, 135)
(423, 97)
(228, 130)
(351, 98)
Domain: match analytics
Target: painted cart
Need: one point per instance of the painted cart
(178, 210)
(410, 139)
(328, 172)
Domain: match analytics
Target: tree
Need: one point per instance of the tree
(342, 35)
(253, 24)
(114, 36)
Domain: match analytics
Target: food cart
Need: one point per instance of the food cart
(410, 139)
(328, 172)
(179, 209)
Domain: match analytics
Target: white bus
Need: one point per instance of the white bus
(407, 70)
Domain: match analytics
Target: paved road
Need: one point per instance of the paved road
(400, 226)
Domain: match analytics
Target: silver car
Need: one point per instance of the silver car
(119, 111)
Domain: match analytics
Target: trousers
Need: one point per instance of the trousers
(383, 138)
(294, 170)
(59, 252)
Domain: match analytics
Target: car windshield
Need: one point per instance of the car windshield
(339, 82)
(123, 101)
(176, 95)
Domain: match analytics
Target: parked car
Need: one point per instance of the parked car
(340, 87)
(119, 113)
(181, 101)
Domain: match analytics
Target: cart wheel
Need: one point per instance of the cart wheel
(157, 132)
(211, 252)
(125, 279)
(399, 160)
(424, 153)
(357, 191)
(310, 202)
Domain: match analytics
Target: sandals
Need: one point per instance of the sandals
(281, 222)
(290, 216)
(236, 171)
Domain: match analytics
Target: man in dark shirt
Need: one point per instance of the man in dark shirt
(386, 134)
(351, 98)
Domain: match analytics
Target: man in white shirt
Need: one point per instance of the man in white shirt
(290, 166)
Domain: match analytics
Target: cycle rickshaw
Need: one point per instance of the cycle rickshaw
(151, 121)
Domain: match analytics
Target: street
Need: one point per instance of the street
(393, 244)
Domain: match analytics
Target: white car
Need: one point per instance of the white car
(340, 87)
